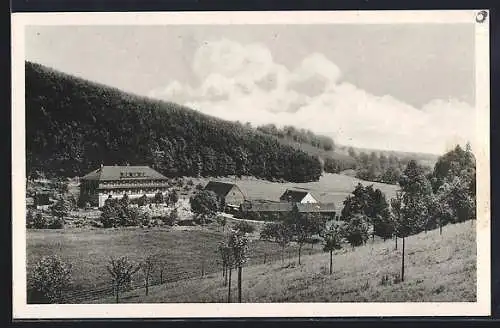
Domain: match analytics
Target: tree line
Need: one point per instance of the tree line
(73, 126)
(370, 167)
(304, 136)
(424, 202)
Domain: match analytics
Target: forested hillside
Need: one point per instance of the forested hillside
(72, 126)
(369, 165)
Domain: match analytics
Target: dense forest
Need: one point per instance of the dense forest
(294, 134)
(73, 126)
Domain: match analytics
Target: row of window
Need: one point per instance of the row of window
(134, 191)
(132, 174)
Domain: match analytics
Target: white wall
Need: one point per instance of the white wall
(308, 199)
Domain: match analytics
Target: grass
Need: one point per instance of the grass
(184, 251)
(439, 268)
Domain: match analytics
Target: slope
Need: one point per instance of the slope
(439, 268)
(73, 126)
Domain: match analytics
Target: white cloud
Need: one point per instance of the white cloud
(242, 82)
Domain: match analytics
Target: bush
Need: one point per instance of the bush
(245, 227)
(171, 218)
(199, 186)
(48, 279)
(35, 221)
(55, 223)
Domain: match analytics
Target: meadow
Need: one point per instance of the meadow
(185, 252)
(439, 268)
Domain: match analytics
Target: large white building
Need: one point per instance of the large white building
(116, 181)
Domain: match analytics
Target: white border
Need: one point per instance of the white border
(23, 311)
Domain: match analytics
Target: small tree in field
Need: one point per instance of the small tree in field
(278, 232)
(238, 243)
(148, 266)
(121, 271)
(224, 253)
(299, 227)
(227, 262)
(48, 279)
(357, 230)
(332, 239)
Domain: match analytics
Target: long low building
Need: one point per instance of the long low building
(116, 181)
(267, 208)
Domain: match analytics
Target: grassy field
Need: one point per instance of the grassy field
(438, 269)
(184, 251)
(331, 188)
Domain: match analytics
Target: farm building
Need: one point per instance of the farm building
(297, 196)
(276, 209)
(229, 194)
(116, 181)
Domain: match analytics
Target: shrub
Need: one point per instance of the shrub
(199, 186)
(245, 227)
(171, 218)
(48, 279)
(190, 183)
(55, 223)
(35, 221)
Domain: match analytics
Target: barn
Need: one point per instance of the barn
(229, 195)
(297, 196)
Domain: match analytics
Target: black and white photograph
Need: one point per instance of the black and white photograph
(179, 164)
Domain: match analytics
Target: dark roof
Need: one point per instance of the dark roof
(267, 206)
(221, 188)
(316, 207)
(287, 207)
(111, 173)
(294, 196)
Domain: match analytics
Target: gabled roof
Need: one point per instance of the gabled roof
(127, 173)
(221, 189)
(294, 196)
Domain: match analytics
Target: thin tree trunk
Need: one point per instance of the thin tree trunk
(117, 291)
(147, 285)
(265, 256)
(403, 261)
(331, 262)
(300, 249)
(229, 287)
(440, 229)
(396, 239)
(161, 277)
(239, 284)
(282, 254)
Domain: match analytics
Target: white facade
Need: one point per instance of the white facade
(104, 196)
(308, 199)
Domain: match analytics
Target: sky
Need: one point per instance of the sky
(407, 87)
